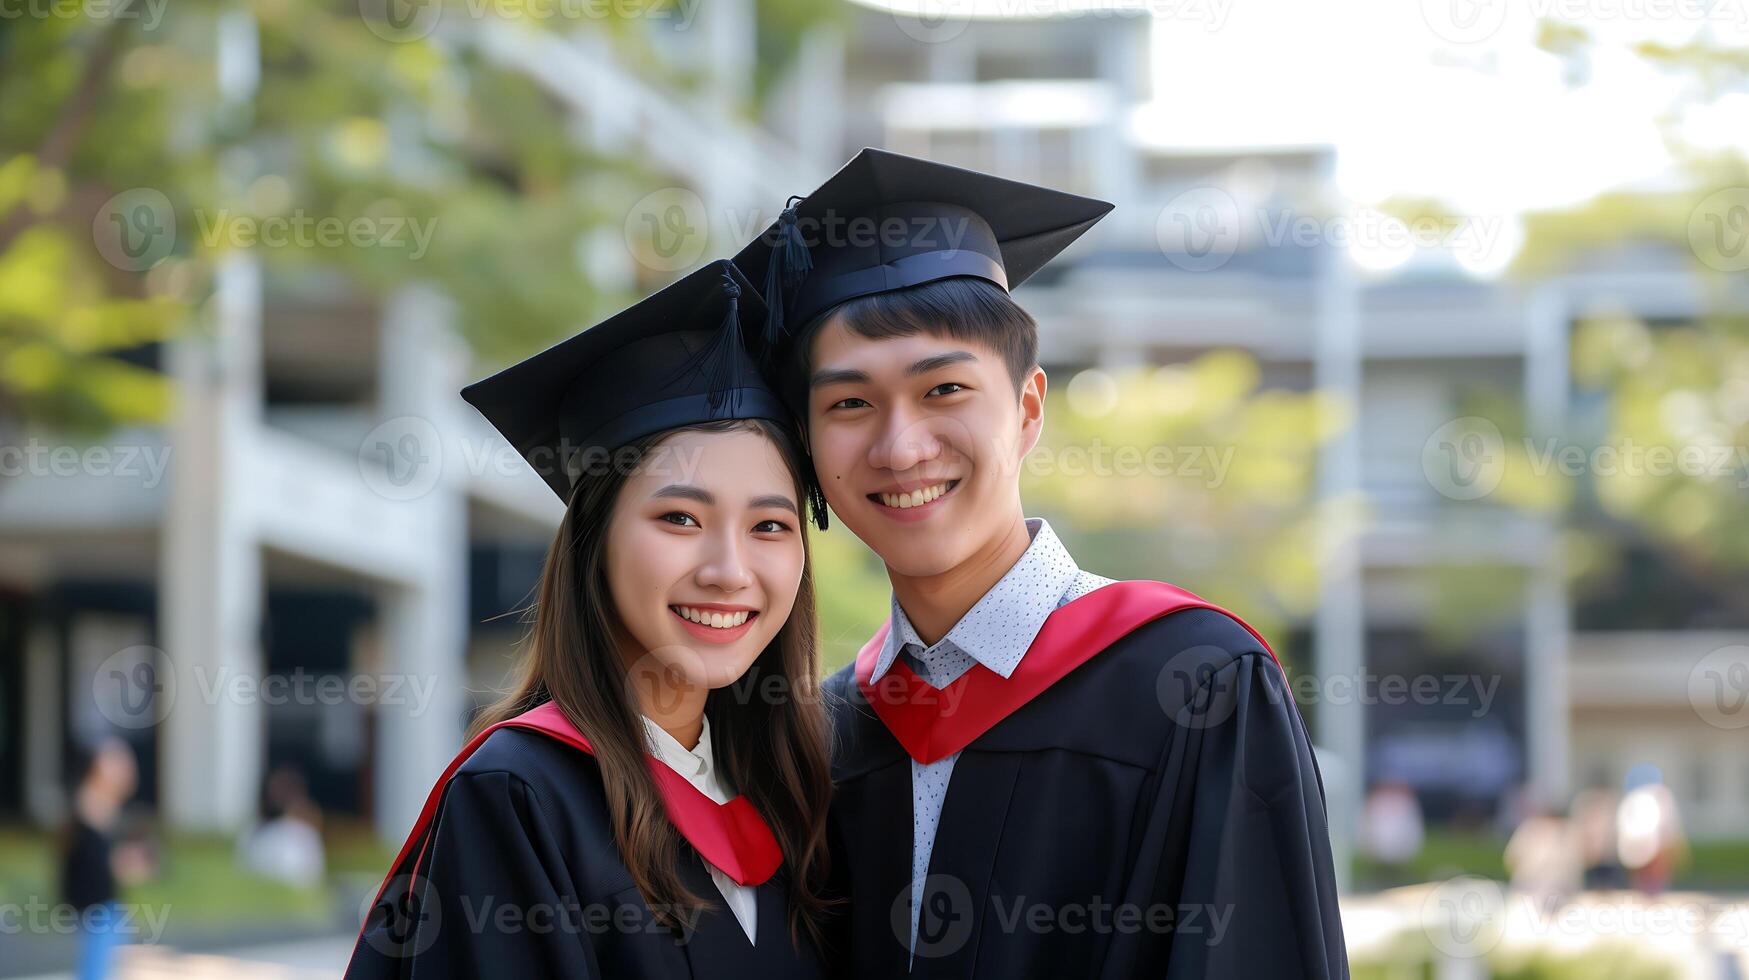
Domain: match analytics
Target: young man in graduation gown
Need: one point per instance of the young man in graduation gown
(1039, 772)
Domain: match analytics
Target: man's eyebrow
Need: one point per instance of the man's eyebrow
(703, 496)
(838, 376)
(939, 361)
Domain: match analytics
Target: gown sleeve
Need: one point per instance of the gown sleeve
(1237, 843)
(492, 897)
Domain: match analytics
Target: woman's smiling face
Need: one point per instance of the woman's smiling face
(705, 553)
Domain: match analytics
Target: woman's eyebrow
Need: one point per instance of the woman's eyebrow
(777, 500)
(703, 496)
(688, 492)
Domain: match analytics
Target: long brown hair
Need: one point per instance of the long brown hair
(773, 749)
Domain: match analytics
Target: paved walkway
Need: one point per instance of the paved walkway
(311, 959)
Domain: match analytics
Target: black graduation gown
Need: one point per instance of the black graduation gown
(522, 879)
(1157, 812)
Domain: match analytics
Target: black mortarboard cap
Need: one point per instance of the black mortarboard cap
(885, 221)
(678, 357)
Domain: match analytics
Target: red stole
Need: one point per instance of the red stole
(932, 725)
(732, 836)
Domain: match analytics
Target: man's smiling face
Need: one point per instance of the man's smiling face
(918, 442)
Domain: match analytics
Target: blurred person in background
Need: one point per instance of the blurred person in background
(91, 862)
(1649, 839)
(1545, 857)
(1594, 827)
(1392, 831)
(287, 845)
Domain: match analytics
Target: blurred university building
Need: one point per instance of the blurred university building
(326, 512)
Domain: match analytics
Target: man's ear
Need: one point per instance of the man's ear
(1032, 410)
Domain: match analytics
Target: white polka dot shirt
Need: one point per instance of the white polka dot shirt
(995, 632)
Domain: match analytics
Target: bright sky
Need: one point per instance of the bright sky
(1443, 98)
(1419, 98)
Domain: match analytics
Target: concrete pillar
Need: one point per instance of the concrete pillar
(1548, 611)
(210, 575)
(423, 637)
(1339, 630)
(44, 699)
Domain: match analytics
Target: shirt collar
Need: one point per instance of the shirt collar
(696, 764)
(1000, 626)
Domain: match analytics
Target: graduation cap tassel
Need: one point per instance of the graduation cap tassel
(817, 502)
(724, 352)
(790, 264)
(720, 358)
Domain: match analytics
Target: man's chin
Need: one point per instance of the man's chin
(908, 563)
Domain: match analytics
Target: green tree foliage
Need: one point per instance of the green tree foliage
(129, 166)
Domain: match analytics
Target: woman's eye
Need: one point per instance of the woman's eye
(845, 403)
(956, 386)
(771, 527)
(683, 518)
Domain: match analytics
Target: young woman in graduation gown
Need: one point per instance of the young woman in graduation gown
(649, 799)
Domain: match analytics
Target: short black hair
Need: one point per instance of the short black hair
(964, 308)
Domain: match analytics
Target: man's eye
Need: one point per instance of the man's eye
(683, 517)
(846, 403)
(956, 386)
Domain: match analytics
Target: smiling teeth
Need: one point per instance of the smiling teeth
(915, 498)
(713, 619)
